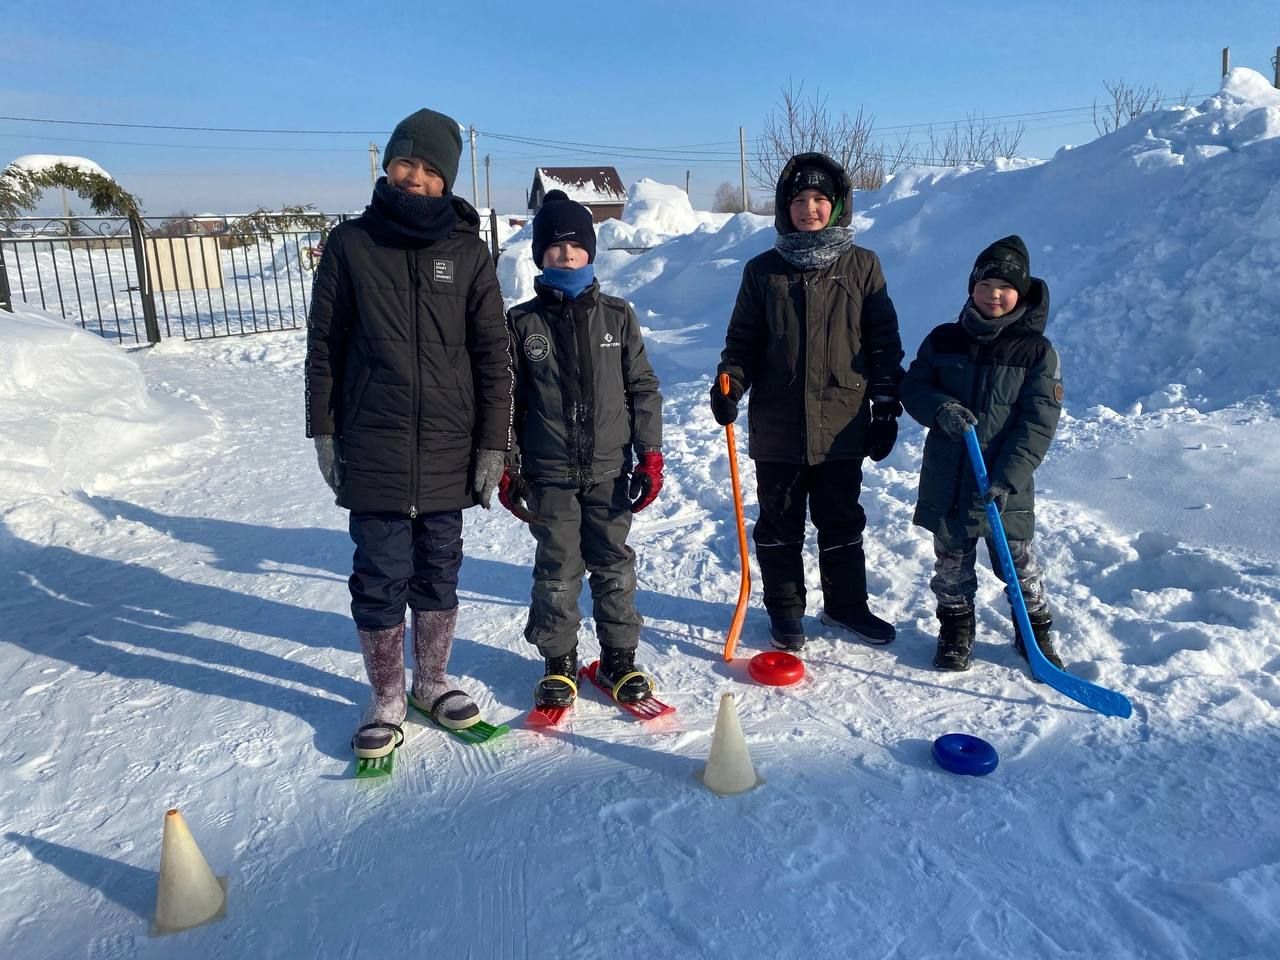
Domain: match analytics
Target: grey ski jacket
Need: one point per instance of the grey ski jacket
(586, 396)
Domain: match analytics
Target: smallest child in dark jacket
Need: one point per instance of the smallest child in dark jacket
(994, 369)
(588, 429)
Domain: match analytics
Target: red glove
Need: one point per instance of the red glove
(646, 480)
(513, 493)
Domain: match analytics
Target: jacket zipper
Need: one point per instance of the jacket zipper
(413, 430)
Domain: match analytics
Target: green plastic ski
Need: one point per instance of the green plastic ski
(478, 732)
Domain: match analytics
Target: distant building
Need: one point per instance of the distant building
(599, 189)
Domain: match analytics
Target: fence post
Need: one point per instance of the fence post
(6, 298)
(1226, 60)
(144, 280)
(493, 233)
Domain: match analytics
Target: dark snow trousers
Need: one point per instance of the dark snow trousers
(829, 491)
(955, 580)
(402, 561)
(580, 529)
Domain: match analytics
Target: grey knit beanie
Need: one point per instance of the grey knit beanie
(431, 137)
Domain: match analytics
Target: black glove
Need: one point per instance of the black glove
(725, 407)
(883, 432)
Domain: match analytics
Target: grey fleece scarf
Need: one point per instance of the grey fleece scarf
(983, 328)
(814, 248)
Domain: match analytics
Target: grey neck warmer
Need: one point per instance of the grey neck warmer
(813, 249)
(983, 328)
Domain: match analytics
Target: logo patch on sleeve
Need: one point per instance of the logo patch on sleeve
(536, 347)
(442, 271)
(1058, 393)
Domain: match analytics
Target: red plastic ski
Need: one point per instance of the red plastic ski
(546, 716)
(649, 709)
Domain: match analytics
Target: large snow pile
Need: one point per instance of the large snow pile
(1158, 241)
(75, 411)
(654, 214)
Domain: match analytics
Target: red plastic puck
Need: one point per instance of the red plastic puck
(775, 668)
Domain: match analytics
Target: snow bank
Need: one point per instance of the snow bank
(75, 411)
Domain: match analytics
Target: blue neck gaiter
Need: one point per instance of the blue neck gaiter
(569, 282)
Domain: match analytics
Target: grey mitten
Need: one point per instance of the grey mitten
(488, 471)
(952, 419)
(329, 457)
(998, 494)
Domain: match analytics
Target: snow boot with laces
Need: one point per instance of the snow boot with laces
(559, 684)
(617, 671)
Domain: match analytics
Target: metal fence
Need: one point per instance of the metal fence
(141, 279)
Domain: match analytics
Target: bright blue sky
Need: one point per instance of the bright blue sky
(639, 74)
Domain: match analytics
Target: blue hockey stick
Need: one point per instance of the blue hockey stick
(1107, 702)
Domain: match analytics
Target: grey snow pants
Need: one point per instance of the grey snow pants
(954, 581)
(580, 529)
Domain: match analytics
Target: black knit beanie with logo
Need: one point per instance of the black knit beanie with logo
(811, 178)
(433, 138)
(560, 219)
(1006, 259)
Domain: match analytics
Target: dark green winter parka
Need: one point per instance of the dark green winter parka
(807, 344)
(1013, 385)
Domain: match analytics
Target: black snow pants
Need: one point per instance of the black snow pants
(402, 561)
(830, 492)
(582, 529)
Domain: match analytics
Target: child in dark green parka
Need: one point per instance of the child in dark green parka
(995, 369)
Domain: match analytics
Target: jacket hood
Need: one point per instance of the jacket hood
(468, 216)
(844, 187)
(1037, 313)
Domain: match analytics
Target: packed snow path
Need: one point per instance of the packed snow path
(183, 640)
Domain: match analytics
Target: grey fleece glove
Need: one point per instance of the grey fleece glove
(488, 471)
(329, 457)
(952, 418)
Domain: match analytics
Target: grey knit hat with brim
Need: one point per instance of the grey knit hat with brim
(433, 138)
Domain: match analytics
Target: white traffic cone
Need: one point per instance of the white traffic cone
(728, 770)
(189, 893)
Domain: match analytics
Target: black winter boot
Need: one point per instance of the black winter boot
(553, 690)
(620, 665)
(955, 638)
(1041, 623)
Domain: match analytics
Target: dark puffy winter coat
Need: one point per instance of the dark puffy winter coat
(408, 362)
(586, 394)
(808, 343)
(1013, 385)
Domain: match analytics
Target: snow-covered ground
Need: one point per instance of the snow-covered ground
(174, 633)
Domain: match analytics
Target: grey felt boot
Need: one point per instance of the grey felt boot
(380, 732)
(431, 692)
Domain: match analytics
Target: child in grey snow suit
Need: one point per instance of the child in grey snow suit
(994, 369)
(586, 400)
(408, 393)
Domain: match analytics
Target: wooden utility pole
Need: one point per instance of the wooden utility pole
(1226, 60)
(742, 160)
(475, 186)
(488, 191)
(373, 163)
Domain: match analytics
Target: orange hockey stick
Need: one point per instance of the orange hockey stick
(744, 592)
